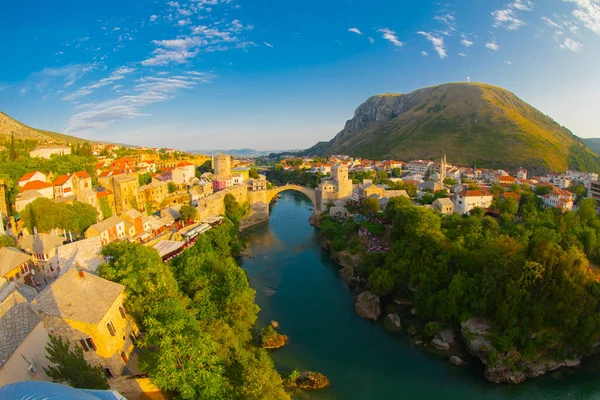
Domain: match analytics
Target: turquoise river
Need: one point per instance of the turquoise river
(298, 285)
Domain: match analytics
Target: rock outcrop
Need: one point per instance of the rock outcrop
(507, 367)
(367, 305)
(312, 380)
(439, 344)
(270, 338)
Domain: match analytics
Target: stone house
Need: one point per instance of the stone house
(89, 311)
(153, 193)
(125, 188)
(15, 265)
(23, 339)
(444, 205)
(42, 248)
(368, 189)
(63, 186)
(109, 230)
(106, 197)
(44, 188)
(134, 223)
(184, 173)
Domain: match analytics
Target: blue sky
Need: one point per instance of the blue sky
(267, 74)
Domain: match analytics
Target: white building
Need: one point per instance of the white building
(184, 173)
(467, 200)
(32, 176)
(559, 198)
(420, 166)
(48, 151)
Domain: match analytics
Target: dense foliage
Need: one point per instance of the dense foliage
(45, 215)
(70, 367)
(197, 315)
(528, 274)
(7, 241)
(280, 176)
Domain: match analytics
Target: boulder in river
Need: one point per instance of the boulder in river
(367, 305)
(392, 321)
(456, 360)
(439, 344)
(312, 380)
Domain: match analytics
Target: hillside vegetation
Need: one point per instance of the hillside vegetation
(8, 126)
(474, 124)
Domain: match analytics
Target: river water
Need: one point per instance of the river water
(298, 285)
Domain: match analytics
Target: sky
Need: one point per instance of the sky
(280, 75)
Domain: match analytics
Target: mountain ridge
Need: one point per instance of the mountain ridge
(475, 124)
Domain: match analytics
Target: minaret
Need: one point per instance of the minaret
(443, 169)
(212, 161)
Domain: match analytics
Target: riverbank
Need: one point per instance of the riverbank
(299, 285)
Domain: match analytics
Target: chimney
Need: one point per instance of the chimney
(81, 274)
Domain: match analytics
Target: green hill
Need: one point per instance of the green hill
(474, 124)
(593, 144)
(8, 126)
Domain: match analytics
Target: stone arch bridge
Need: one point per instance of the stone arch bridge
(309, 192)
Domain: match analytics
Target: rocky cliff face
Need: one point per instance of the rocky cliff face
(473, 124)
(506, 367)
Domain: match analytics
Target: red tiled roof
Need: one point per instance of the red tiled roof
(61, 180)
(474, 193)
(27, 176)
(82, 175)
(184, 164)
(99, 195)
(35, 185)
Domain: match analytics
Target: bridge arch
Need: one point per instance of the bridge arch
(309, 192)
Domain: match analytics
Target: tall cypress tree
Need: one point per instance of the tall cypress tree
(13, 150)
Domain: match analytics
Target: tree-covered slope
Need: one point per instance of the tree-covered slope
(474, 124)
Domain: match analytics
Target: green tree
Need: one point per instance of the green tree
(105, 208)
(369, 206)
(13, 149)
(69, 366)
(253, 173)
(172, 187)
(7, 241)
(144, 179)
(187, 213)
(82, 216)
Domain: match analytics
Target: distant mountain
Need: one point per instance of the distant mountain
(474, 124)
(8, 126)
(242, 152)
(593, 144)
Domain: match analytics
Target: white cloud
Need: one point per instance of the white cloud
(153, 17)
(449, 20)
(492, 45)
(507, 18)
(551, 23)
(184, 22)
(522, 5)
(570, 44)
(466, 42)
(507, 62)
(355, 30)
(390, 36)
(116, 75)
(424, 53)
(371, 40)
(268, 44)
(436, 41)
(462, 54)
(588, 12)
(148, 90)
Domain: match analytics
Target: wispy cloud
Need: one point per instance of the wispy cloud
(268, 44)
(492, 45)
(148, 90)
(508, 18)
(588, 12)
(449, 20)
(436, 41)
(465, 41)
(462, 54)
(507, 62)
(355, 30)
(116, 75)
(203, 38)
(390, 36)
(424, 53)
(371, 40)
(572, 45)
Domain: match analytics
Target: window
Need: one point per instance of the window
(122, 311)
(88, 344)
(111, 328)
(124, 357)
(108, 373)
